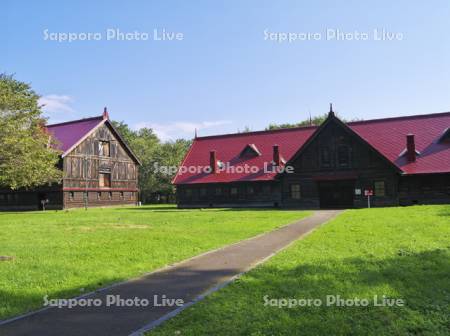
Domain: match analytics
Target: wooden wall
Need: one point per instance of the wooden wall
(424, 189)
(83, 166)
(248, 194)
(31, 199)
(363, 169)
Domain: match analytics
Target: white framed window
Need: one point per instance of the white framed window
(295, 191)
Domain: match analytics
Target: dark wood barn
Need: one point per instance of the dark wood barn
(99, 169)
(400, 161)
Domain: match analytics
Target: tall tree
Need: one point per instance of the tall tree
(27, 154)
(159, 160)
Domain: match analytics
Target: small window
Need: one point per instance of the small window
(203, 192)
(99, 195)
(218, 191)
(104, 148)
(343, 156)
(295, 191)
(250, 190)
(233, 191)
(325, 157)
(121, 195)
(110, 195)
(71, 195)
(380, 188)
(105, 180)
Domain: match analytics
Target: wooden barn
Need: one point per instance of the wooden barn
(400, 161)
(99, 169)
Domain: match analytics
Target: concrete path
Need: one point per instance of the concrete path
(187, 281)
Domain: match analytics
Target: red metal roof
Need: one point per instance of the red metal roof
(70, 133)
(387, 136)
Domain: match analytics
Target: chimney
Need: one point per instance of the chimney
(105, 113)
(410, 148)
(213, 161)
(276, 155)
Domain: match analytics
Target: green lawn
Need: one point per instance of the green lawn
(402, 253)
(66, 253)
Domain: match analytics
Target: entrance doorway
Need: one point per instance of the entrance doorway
(336, 194)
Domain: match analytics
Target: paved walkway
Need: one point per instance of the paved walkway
(187, 281)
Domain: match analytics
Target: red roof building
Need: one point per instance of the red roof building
(402, 157)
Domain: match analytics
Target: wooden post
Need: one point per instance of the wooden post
(86, 182)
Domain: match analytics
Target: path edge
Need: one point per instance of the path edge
(158, 270)
(152, 325)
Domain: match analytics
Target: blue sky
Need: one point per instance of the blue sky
(224, 75)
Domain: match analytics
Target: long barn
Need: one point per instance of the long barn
(99, 169)
(394, 161)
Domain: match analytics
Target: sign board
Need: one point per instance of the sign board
(368, 192)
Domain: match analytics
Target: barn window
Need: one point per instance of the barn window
(343, 156)
(218, 191)
(233, 191)
(71, 195)
(295, 191)
(104, 180)
(121, 195)
(99, 195)
(325, 157)
(104, 148)
(380, 188)
(110, 195)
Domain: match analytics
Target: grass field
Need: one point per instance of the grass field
(66, 253)
(402, 253)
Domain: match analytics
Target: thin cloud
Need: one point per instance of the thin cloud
(180, 129)
(56, 104)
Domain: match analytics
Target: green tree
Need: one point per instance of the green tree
(27, 154)
(314, 121)
(159, 161)
(170, 155)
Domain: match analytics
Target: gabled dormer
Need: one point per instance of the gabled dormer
(249, 151)
(445, 137)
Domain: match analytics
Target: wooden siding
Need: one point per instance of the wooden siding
(424, 189)
(247, 194)
(83, 166)
(81, 169)
(364, 168)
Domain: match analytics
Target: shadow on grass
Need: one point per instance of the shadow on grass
(420, 279)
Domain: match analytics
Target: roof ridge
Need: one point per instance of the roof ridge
(74, 121)
(414, 116)
(258, 132)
